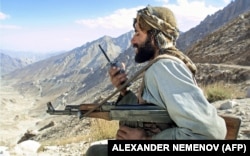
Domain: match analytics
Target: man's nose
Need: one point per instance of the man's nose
(132, 40)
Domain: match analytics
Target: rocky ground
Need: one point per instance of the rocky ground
(23, 131)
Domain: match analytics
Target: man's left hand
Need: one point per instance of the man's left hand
(127, 133)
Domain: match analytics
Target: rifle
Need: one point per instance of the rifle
(139, 113)
(109, 111)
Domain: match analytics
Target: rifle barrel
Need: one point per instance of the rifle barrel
(63, 112)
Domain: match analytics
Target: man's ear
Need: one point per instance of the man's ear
(153, 42)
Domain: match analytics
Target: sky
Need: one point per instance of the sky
(61, 25)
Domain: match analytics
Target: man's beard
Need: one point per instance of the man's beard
(145, 51)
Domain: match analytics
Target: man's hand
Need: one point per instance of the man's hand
(118, 78)
(127, 133)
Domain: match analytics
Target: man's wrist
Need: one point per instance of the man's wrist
(124, 92)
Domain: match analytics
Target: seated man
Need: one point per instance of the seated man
(168, 83)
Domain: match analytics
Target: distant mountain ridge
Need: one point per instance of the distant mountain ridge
(86, 56)
(65, 72)
(24, 58)
(213, 22)
(10, 64)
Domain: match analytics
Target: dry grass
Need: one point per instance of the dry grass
(102, 129)
(221, 91)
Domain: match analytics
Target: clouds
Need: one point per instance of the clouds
(119, 19)
(191, 13)
(4, 16)
(5, 26)
(188, 13)
(65, 29)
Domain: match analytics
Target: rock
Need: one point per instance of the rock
(227, 105)
(248, 92)
(52, 123)
(28, 147)
(28, 135)
(99, 142)
(4, 151)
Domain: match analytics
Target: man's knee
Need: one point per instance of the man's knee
(97, 150)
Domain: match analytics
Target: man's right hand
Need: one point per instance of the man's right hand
(118, 78)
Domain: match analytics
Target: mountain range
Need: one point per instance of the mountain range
(81, 74)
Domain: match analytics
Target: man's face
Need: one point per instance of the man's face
(144, 48)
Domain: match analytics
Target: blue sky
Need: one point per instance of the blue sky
(55, 25)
